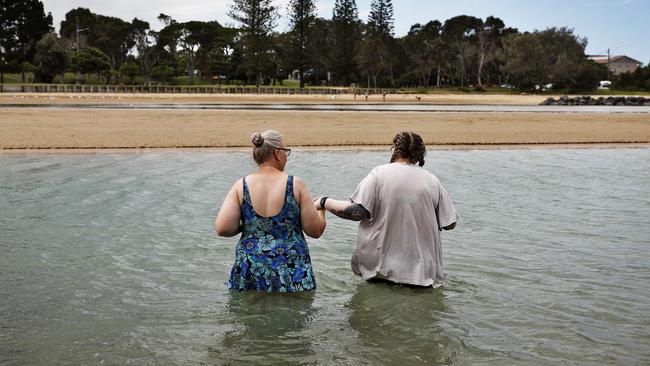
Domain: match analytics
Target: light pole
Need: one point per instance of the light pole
(608, 62)
(78, 77)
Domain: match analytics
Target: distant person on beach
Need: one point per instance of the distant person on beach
(271, 210)
(401, 208)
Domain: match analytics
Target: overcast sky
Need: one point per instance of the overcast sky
(621, 25)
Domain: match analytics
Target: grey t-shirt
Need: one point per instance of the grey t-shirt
(401, 241)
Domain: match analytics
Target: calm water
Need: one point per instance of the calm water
(112, 259)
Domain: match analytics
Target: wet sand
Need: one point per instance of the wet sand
(79, 128)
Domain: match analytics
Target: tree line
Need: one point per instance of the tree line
(463, 51)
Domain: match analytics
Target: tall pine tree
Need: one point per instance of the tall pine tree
(381, 18)
(301, 15)
(346, 34)
(256, 19)
(376, 52)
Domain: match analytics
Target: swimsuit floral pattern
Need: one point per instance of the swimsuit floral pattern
(272, 254)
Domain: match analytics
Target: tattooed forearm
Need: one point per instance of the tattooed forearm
(354, 212)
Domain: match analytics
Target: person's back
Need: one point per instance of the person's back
(401, 209)
(401, 242)
(272, 253)
(271, 210)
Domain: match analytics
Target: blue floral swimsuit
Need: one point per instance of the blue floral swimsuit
(272, 253)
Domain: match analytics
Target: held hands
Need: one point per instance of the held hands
(319, 203)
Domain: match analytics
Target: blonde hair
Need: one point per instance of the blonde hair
(264, 144)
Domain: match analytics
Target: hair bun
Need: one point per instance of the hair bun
(257, 139)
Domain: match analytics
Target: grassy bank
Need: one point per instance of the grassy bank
(69, 79)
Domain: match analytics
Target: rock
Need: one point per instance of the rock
(589, 100)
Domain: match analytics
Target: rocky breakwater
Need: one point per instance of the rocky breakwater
(588, 100)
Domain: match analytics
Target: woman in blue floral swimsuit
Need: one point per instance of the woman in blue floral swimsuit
(271, 210)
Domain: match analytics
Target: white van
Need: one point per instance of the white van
(604, 84)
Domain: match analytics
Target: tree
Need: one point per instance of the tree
(200, 43)
(50, 58)
(422, 45)
(82, 20)
(256, 19)
(459, 35)
(345, 36)
(301, 19)
(375, 55)
(130, 69)
(487, 33)
(91, 60)
(79, 26)
(114, 36)
(588, 77)
(145, 45)
(639, 79)
(381, 20)
(554, 55)
(162, 72)
(22, 24)
(319, 51)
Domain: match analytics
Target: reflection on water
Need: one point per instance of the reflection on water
(267, 328)
(400, 319)
(112, 259)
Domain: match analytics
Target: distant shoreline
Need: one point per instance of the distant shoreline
(324, 148)
(144, 98)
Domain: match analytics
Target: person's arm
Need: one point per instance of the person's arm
(312, 220)
(450, 227)
(228, 221)
(344, 209)
(445, 211)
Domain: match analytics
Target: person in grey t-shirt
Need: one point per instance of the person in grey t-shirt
(401, 208)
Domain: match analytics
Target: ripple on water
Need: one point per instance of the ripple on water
(113, 258)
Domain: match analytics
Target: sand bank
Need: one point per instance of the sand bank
(44, 128)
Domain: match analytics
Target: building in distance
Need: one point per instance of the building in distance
(617, 64)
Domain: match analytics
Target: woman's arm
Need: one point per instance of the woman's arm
(449, 227)
(344, 209)
(228, 221)
(312, 220)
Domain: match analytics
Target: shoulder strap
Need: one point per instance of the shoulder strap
(289, 185)
(247, 196)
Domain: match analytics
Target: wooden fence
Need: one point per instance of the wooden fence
(185, 89)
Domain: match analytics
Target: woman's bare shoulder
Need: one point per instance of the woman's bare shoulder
(299, 186)
(238, 187)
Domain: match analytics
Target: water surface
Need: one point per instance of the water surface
(112, 258)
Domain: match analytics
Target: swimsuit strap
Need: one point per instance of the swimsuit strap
(247, 195)
(289, 191)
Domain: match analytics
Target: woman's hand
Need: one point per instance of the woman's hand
(317, 204)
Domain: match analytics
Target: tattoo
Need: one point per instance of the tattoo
(354, 212)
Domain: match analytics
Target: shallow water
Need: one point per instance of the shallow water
(112, 258)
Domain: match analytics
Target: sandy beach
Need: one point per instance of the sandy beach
(43, 128)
